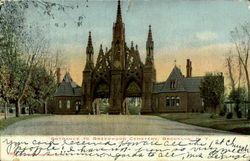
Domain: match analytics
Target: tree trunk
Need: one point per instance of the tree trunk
(248, 90)
(29, 110)
(248, 117)
(5, 111)
(18, 107)
(45, 107)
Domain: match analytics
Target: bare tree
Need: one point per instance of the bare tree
(230, 68)
(241, 40)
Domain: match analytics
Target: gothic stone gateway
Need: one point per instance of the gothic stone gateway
(119, 72)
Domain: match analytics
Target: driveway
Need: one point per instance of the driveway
(105, 125)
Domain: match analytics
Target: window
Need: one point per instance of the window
(156, 102)
(59, 104)
(173, 101)
(177, 101)
(68, 104)
(78, 103)
(167, 101)
(173, 84)
(202, 102)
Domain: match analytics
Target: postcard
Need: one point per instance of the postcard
(124, 80)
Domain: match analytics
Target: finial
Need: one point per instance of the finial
(89, 40)
(175, 61)
(119, 14)
(132, 44)
(150, 34)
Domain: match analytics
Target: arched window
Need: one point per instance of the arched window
(172, 101)
(59, 104)
(177, 101)
(68, 104)
(167, 102)
(78, 103)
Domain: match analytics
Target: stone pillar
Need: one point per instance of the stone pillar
(116, 93)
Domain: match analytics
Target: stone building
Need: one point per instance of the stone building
(67, 98)
(178, 93)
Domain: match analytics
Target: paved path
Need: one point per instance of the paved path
(105, 125)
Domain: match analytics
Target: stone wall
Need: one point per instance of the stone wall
(55, 109)
(160, 102)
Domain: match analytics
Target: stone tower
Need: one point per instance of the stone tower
(87, 78)
(149, 75)
(118, 63)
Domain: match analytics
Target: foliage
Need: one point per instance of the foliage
(212, 89)
(134, 110)
(238, 95)
(21, 51)
(42, 87)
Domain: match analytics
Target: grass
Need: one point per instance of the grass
(218, 122)
(9, 121)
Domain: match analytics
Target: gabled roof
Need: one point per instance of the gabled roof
(192, 84)
(183, 84)
(67, 87)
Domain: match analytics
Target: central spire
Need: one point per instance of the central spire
(119, 14)
(118, 27)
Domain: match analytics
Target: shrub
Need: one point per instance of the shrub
(23, 110)
(212, 116)
(239, 114)
(10, 110)
(133, 110)
(229, 115)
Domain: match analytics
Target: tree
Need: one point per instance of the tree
(241, 40)
(41, 88)
(238, 96)
(212, 90)
(21, 50)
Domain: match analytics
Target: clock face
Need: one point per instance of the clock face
(117, 64)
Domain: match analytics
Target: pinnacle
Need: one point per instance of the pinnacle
(150, 34)
(101, 48)
(119, 14)
(89, 40)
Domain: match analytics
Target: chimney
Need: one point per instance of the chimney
(58, 75)
(189, 68)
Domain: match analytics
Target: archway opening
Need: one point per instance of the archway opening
(132, 106)
(100, 106)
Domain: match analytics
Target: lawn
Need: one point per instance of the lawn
(12, 120)
(218, 122)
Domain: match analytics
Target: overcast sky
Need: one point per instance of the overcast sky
(195, 29)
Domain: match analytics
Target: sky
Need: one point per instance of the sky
(182, 29)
